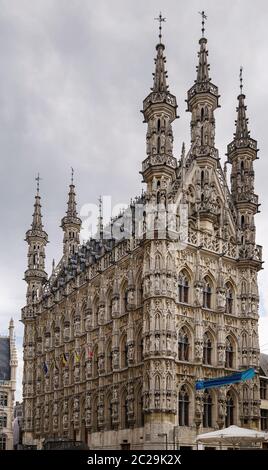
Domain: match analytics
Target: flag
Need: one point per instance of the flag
(225, 380)
(76, 356)
(89, 352)
(64, 359)
(45, 368)
(55, 363)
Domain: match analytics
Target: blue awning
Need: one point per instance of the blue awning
(226, 380)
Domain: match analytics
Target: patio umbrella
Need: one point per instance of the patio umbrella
(232, 435)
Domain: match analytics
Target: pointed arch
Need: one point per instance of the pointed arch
(123, 351)
(183, 286)
(207, 348)
(123, 296)
(207, 292)
(183, 406)
(229, 297)
(207, 408)
(184, 336)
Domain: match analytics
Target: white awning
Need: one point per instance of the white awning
(232, 435)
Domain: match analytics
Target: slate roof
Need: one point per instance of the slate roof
(264, 364)
(5, 369)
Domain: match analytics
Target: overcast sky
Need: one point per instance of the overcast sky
(73, 75)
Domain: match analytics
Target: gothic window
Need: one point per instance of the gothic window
(123, 352)
(157, 262)
(229, 419)
(157, 383)
(207, 410)
(264, 420)
(95, 362)
(158, 144)
(3, 399)
(158, 125)
(109, 306)
(124, 415)
(229, 353)
(242, 221)
(183, 407)
(183, 345)
(109, 358)
(207, 349)
(207, 293)
(263, 389)
(109, 412)
(244, 343)
(229, 299)
(139, 347)
(3, 441)
(157, 322)
(183, 288)
(3, 421)
(140, 414)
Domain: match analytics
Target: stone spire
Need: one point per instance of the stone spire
(37, 239)
(71, 223)
(159, 110)
(241, 131)
(241, 153)
(37, 216)
(202, 100)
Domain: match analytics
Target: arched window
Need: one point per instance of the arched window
(229, 418)
(95, 362)
(207, 349)
(229, 298)
(183, 345)
(207, 291)
(3, 421)
(207, 410)
(140, 414)
(124, 411)
(123, 352)
(109, 409)
(183, 288)
(139, 347)
(3, 442)
(109, 306)
(183, 407)
(229, 353)
(109, 358)
(3, 399)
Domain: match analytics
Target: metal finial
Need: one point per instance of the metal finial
(72, 175)
(241, 79)
(204, 17)
(161, 20)
(38, 179)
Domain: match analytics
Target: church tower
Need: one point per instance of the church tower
(242, 152)
(159, 111)
(202, 101)
(36, 237)
(36, 277)
(159, 272)
(71, 224)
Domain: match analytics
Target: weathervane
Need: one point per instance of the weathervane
(161, 20)
(72, 175)
(204, 17)
(241, 79)
(38, 179)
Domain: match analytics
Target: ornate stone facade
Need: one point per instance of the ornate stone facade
(8, 367)
(116, 338)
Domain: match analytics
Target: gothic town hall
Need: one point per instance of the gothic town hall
(116, 337)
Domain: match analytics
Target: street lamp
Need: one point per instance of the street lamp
(164, 434)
